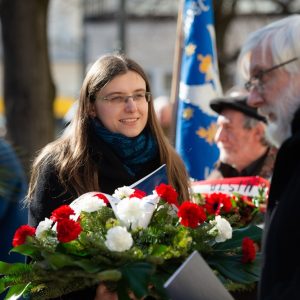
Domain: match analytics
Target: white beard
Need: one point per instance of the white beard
(283, 108)
(277, 133)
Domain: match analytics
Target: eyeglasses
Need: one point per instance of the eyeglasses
(256, 81)
(137, 97)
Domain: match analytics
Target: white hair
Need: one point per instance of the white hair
(281, 38)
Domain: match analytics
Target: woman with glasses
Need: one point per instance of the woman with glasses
(113, 140)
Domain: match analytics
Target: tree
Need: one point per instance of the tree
(28, 86)
(226, 12)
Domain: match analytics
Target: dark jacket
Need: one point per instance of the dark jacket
(262, 167)
(13, 187)
(50, 193)
(280, 278)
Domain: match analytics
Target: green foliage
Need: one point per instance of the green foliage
(96, 219)
(230, 267)
(261, 197)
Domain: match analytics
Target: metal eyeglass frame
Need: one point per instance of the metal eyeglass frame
(255, 81)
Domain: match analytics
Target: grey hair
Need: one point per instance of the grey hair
(280, 37)
(250, 123)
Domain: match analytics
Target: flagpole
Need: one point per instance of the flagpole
(176, 70)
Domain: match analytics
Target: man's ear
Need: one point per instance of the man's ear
(260, 130)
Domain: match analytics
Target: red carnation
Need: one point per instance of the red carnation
(67, 230)
(217, 202)
(103, 197)
(248, 250)
(63, 212)
(191, 214)
(226, 203)
(247, 200)
(21, 234)
(138, 194)
(168, 193)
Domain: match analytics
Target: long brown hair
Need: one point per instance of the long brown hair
(69, 153)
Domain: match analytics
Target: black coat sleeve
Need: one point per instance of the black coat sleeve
(49, 195)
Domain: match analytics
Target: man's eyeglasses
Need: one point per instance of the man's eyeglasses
(256, 80)
(136, 97)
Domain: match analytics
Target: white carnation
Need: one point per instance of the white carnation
(129, 211)
(123, 192)
(87, 202)
(43, 226)
(222, 229)
(118, 239)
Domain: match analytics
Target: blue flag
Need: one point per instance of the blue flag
(199, 83)
(149, 182)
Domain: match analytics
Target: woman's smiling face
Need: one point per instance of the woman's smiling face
(127, 117)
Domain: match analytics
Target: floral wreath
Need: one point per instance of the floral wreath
(131, 241)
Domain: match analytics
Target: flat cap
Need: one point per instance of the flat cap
(236, 99)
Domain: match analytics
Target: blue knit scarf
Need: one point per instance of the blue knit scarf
(133, 152)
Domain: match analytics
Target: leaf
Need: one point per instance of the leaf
(15, 292)
(232, 268)
(87, 265)
(28, 250)
(2, 286)
(13, 268)
(138, 276)
(60, 260)
(73, 247)
(109, 275)
(158, 250)
(157, 280)
(251, 231)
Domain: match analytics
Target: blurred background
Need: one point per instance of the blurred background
(46, 47)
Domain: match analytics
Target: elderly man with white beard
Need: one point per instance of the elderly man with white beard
(270, 60)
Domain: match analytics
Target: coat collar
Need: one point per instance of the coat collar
(296, 122)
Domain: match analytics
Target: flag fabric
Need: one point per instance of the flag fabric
(149, 182)
(199, 83)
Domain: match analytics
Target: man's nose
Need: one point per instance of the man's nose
(220, 135)
(255, 99)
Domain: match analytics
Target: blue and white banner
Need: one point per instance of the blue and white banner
(199, 83)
